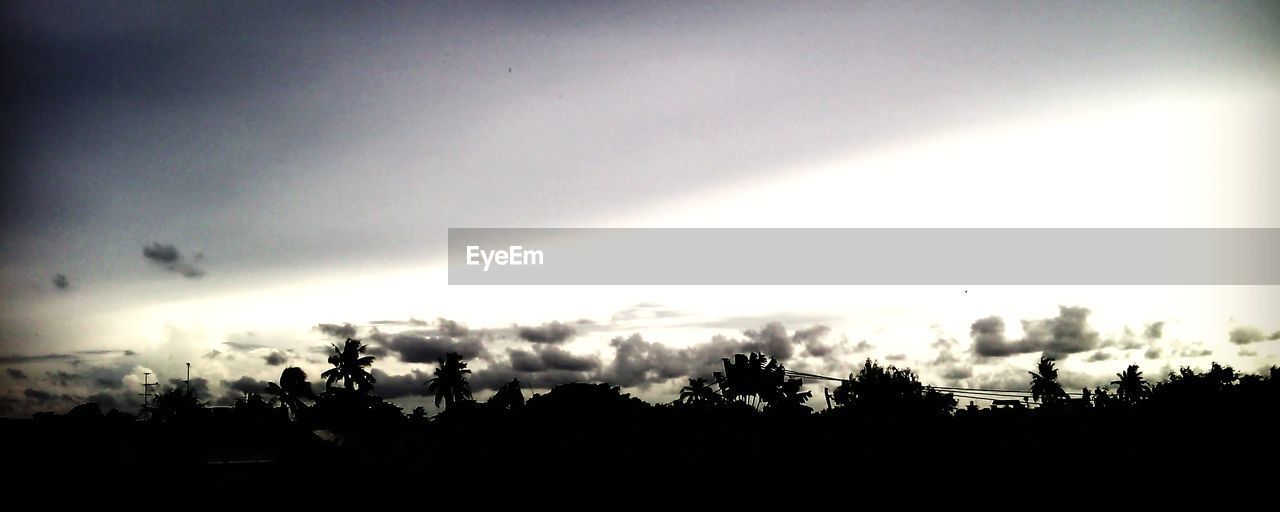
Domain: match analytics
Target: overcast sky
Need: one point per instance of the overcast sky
(182, 179)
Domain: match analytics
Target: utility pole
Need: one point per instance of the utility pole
(188, 381)
(146, 393)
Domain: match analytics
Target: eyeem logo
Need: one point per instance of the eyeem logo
(514, 255)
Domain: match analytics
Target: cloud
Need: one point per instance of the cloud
(1154, 331)
(168, 256)
(199, 385)
(62, 378)
(958, 373)
(772, 339)
(399, 386)
(451, 328)
(553, 332)
(640, 363)
(1152, 353)
(61, 282)
(412, 347)
(236, 389)
(1247, 353)
(644, 311)
(1058, 337)
(811, 338)
(276, 358)
(38, 395)
(896, 357)
(1247, 335)
(341, 332)
(71, 357)
(1099, 356)
(550, 357)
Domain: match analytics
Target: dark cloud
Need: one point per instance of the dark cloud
(896, 357)
(245, 384)
(451, 328)
(1247, 335)
(1246, 353)
(553, 332)
(637, 362)
(812, 338)
(15, 374)
(276, 358)
(1058, 337)
(420, 348)
(772, 339)
(61, 282)
(550, 358)
(341, 332)
(1194, 352)
(233, 390)
(168, 256)
(38, 395)
(72, 357)
(494, 377)
(1099, 356)
(108, 383)
(399, 386)
(1152, 353)
(958, 373)
(1154, 331)
(198, 384)
(62, 378)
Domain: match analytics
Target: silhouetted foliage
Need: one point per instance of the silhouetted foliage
(877, 389)
(508, 396)
(758, 380)
(176, 403)
(450, 383)
(699, 393)
(1131, 387)
(349, 366)
(293, 392)
(1044, 384)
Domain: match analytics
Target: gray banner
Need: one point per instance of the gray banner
(575, 256)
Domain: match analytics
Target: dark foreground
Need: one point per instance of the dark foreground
(1156, 453)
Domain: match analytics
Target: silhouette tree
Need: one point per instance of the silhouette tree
(753, 379)
(1131, 387)
(508, 396)
(450, 383)
(292, 392)
(1044, 383)
(177, 403)
(1102, 398)
(698, 392)
(349, 365)
(890, 390)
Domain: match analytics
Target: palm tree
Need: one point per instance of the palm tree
(450, 383)
(349, 365)
(1131, 387)
(292, 392)
(1044, 383)
(698, 392)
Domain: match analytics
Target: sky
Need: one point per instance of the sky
(233, 184)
